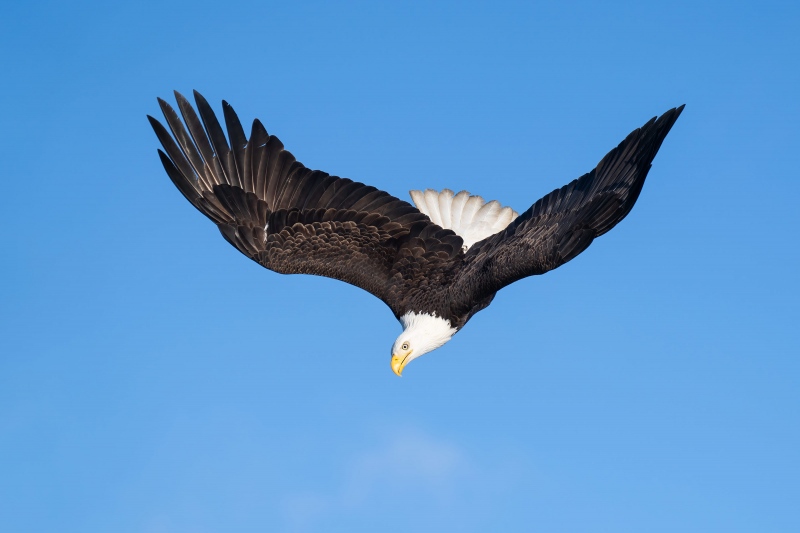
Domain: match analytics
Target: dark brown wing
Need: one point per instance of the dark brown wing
(291, 219)
(565, 222)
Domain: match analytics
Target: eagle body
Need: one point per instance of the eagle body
(435, 264)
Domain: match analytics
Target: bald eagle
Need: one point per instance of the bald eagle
(435, 265)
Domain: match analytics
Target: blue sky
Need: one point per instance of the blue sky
(154, 380)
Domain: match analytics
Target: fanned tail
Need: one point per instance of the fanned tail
(471, 217)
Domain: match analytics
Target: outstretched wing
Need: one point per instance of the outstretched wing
(565, 222)
(286, 217)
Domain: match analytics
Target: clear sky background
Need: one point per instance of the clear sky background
(154, 380)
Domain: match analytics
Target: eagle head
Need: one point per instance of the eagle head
(422, 333)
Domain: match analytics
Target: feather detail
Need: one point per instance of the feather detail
(469, 216)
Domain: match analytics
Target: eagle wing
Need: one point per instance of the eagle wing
(291, 219)
(565, 222)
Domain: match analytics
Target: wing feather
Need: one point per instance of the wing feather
(212, 172)
(238, 141)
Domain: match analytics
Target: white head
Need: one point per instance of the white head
(421, 334)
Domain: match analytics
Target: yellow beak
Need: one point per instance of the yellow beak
(399, 363)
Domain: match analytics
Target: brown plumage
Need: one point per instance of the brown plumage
(294, 220)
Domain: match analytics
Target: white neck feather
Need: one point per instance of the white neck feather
(424, 331)
(469, 216)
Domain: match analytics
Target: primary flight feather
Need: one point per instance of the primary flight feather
(435, 265)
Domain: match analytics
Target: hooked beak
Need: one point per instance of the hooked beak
(399, 363)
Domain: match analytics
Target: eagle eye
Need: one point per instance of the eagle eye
(405, 346)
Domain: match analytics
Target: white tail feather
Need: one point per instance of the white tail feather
(432, 203)
(470, 217)
(445, 201)
(470, 209)
(457, 207)
(419, 199)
